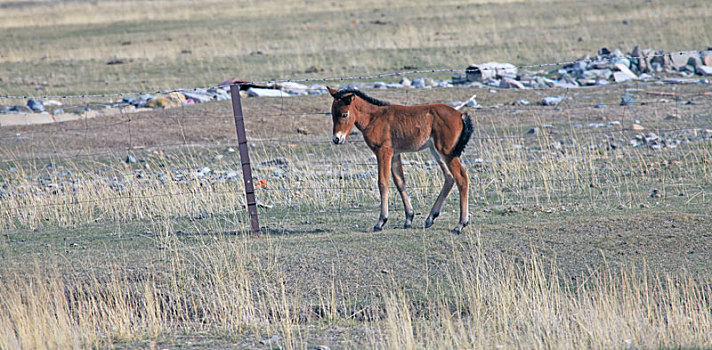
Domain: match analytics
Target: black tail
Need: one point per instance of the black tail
(465, 135)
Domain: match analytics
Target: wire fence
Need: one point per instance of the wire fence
(558, 164)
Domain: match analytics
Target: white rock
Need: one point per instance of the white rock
(293, 87)
(625, 70)
(620, 77)
(257, 92)
(509, 83)
(484, 71)
(704, 70)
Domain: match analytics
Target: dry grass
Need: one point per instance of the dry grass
(63, 47)
(481, 302)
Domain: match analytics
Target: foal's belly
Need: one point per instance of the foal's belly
(413, 145)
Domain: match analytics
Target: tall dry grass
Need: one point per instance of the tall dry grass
(498, 304)
(481, 302)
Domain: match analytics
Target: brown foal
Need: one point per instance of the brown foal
(390, 130)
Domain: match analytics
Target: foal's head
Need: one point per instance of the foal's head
(341, 115)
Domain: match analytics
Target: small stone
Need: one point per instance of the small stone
(620, 77)
(637, 127)
(35, 105)
(656, 194)
(707, 58)
(130, 159)
(405, 82)
(600, 105)
(704, 70)
(627, 99)
(271, 340)
(510, 83)
(552, 100)
(694, 61)
(218, 157)
(257, 92)
(680, 59)
(625, 70)
(198, 95)
(419, 83)
(302, 130)
(533, 131)
(229, 150)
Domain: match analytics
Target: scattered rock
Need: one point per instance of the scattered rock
(130, 159)
(627, 99)
(405, 82)
(419, 83)
(293, 88)
(35, 105)
(637, 127)
(706, 57)
(510, 83)
(257, 92)
(704, 70)
(302, 130)
(281, 161)
(484, 71)
(620, 77)
(380, 85)
(680, 59)
(622, 68)
(552, 100)
(198, 95)
(173, 99)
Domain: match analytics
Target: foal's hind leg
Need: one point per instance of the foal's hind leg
(399, 180)
(463, 185)
(447, 186)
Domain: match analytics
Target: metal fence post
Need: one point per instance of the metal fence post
(245, 158)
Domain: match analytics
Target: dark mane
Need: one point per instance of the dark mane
(362, 95)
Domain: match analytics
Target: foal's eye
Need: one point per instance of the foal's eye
(345, 115)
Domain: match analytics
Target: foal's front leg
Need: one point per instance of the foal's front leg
(384, 156)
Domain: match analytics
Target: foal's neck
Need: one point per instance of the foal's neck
(365, 113)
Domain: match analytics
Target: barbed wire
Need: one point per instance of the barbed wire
(333, 79)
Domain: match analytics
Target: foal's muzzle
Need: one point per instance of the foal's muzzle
(338, 139)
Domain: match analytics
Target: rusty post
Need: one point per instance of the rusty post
(245, 158)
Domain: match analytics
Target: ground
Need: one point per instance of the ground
(130, 231)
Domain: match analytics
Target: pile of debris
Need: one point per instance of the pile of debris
(604, 68)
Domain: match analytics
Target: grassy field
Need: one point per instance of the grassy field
(584, 233)
(52, 47)
(573, 230)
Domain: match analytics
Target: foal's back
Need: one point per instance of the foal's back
(412, 127)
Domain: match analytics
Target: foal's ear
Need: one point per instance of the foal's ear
(332, 91)
(348, 98)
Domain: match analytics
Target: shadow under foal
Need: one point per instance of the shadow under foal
(390, 130)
